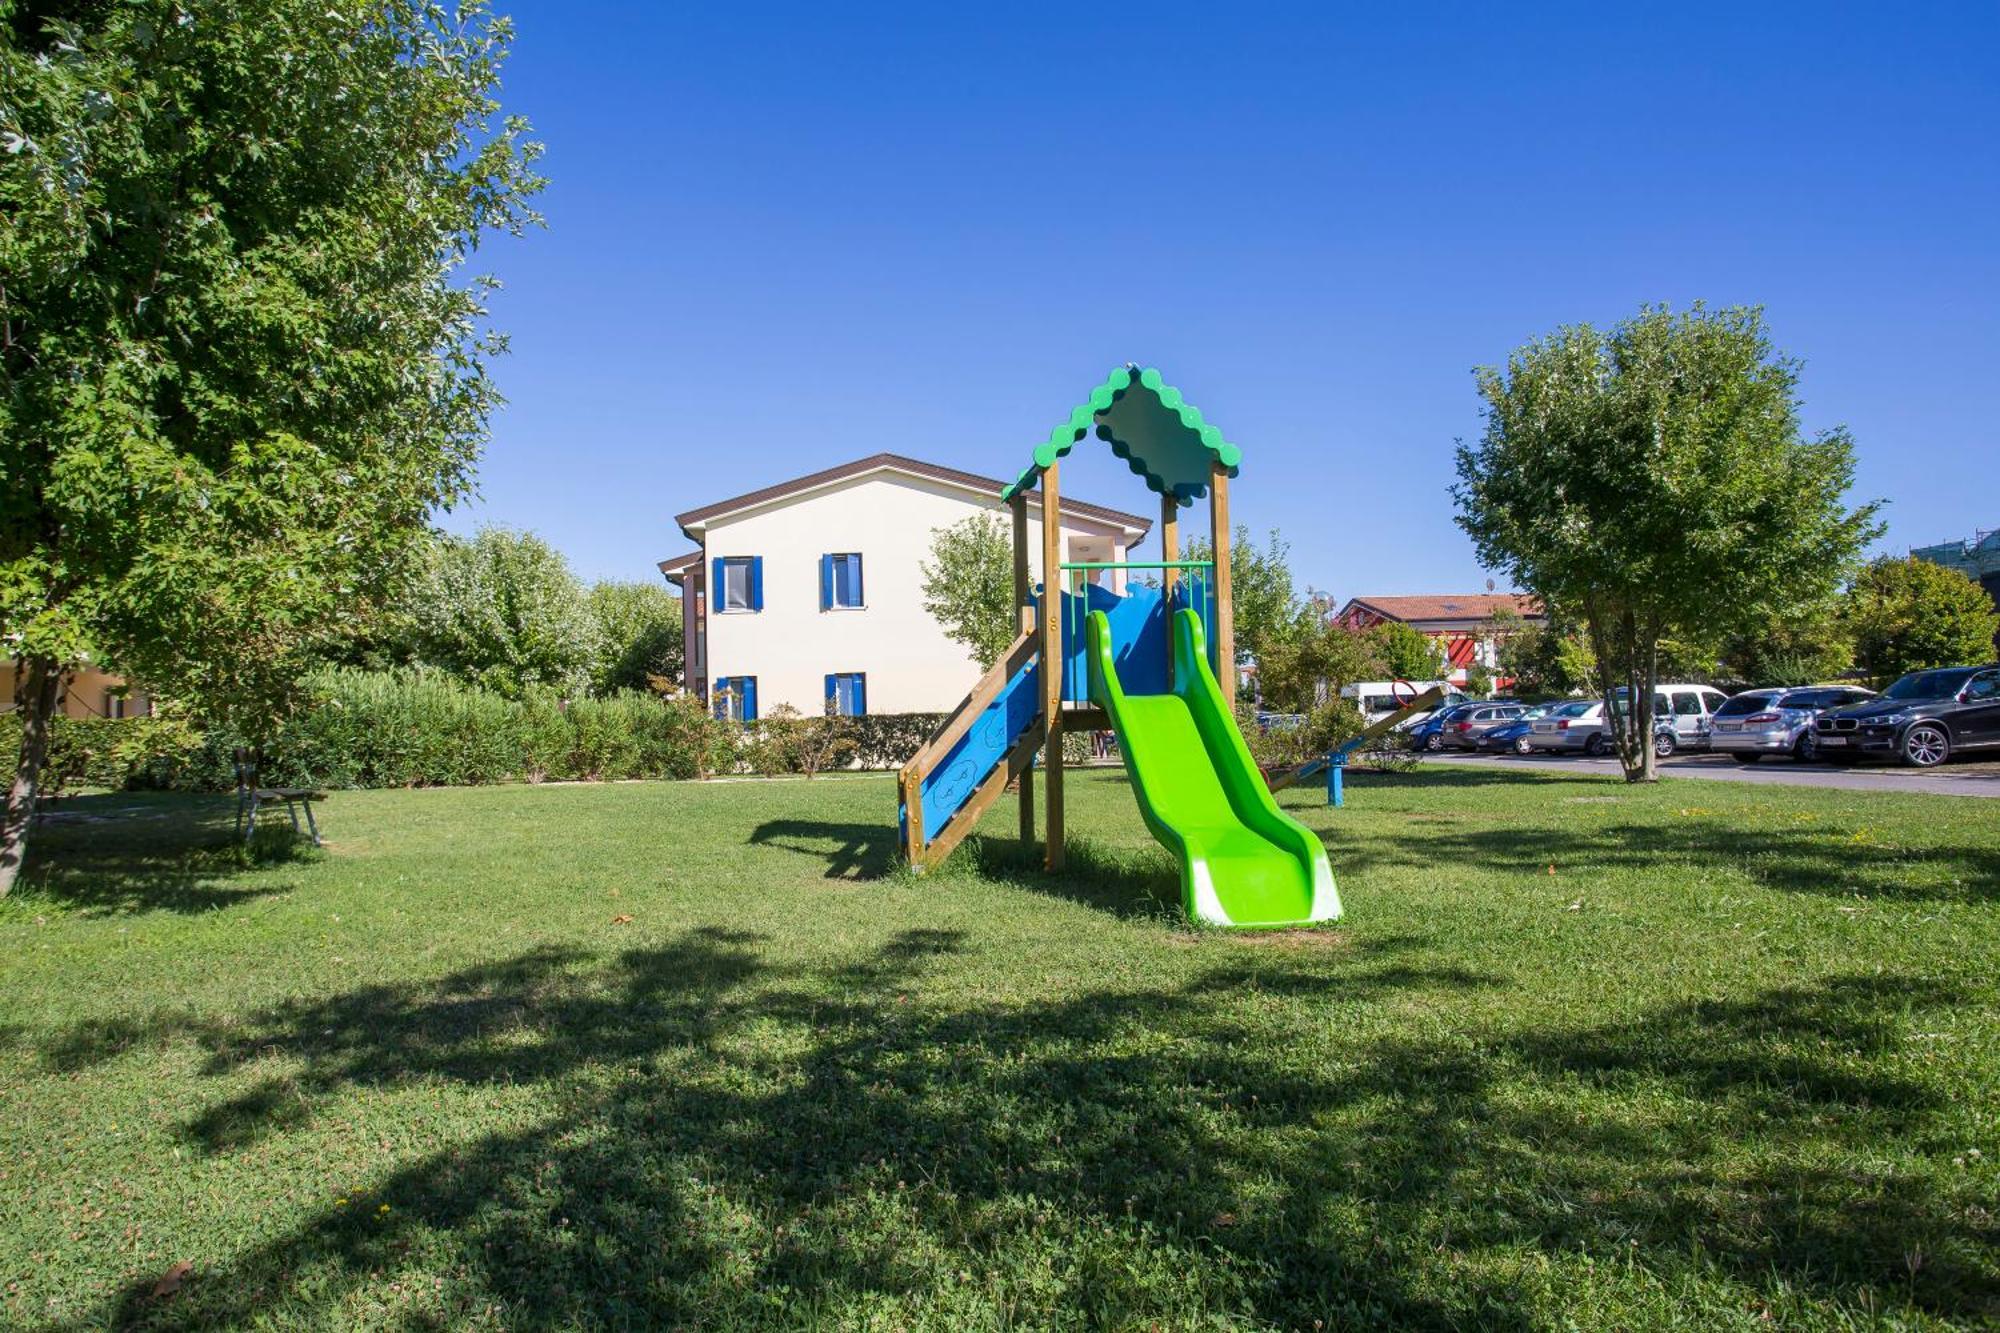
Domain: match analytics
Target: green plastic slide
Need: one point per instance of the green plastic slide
(1244, 862)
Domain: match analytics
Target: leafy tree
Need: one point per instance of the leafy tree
(639, 635)
(968, 585)
(1546, 660)
(239, 362)
(1405, 652)
(1655, 478)
(1267, 603)
(503, 611)
(1909, 614)
(1797, 647)
(1301, 669)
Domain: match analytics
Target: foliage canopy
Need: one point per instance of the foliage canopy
(968, 585)
(240, 360)
(1909, 614)
(1655, 476)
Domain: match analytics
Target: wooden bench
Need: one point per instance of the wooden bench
(249, 796)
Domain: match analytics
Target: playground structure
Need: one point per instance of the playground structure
(1154, 664)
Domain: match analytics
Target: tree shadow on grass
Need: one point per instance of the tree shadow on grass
(733, 1141)
(172, 854)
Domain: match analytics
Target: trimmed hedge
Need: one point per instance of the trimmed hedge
(358, 728)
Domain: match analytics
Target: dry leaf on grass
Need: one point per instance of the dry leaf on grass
(170, 1281)
(622, 919)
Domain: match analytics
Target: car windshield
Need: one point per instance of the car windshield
(1577, 709)
(1930, 684)
(1539, 710)
(1744, 703)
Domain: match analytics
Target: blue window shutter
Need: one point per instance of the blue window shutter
(749, 685)
(756, 583)
(854, 581)
(825, 582)
(832, 691)
(860, 694)
(717, 599)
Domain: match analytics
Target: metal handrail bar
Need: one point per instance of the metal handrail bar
(1138, 564)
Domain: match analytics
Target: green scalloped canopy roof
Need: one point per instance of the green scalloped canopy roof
(1159, 434)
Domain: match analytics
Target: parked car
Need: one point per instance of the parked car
(1689, 708)
(1511, 737)
(1429, 733)
(1570, 727)
(1923, 719)
(1760, 722)
(1463, 732)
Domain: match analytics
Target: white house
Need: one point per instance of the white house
(812, 588)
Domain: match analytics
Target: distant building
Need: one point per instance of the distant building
(1978, 557)
(812, 588)
(1458, 623)
(85, 692)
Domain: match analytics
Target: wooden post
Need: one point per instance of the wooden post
(1024, 611)
(913, 819)
(1170, 549)
(1051, 650)
(1225, 600)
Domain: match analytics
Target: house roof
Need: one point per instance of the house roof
(992, 486)
(1461, 606)
(678, 566)
(1160, 435)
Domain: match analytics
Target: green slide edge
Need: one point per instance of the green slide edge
(1205, 894)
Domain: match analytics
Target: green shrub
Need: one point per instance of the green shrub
(416, 728)
(544, 735)
(887, 740)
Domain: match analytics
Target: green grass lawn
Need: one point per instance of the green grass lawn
(1580, 1056)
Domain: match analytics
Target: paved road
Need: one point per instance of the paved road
(1954, 779)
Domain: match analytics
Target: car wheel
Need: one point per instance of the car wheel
(1434, 742)
(1926, 745)
(1522, 747)
(1664, 744)
(1594, 747)
(1745, 758)
(1806, 749)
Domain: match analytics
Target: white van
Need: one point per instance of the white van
(1378, 698)
(1688, 707)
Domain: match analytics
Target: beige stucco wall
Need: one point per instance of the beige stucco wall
(791, 644)
(87, 692)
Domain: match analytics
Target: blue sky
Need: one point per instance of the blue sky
(780, 238)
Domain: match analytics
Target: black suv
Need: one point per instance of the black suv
(1923, 719)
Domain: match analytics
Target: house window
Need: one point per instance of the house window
(849, 692)
(734, 699)
(840, 582)
(739, 583)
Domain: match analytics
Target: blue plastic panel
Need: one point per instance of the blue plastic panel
(985, 743)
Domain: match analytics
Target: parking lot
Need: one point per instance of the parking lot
(1953, 779)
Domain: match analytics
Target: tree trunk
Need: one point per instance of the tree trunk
(38, 687)
(1649, 656)
(1629, 658)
